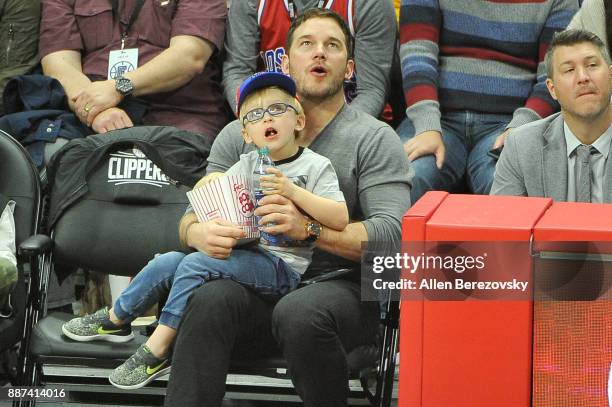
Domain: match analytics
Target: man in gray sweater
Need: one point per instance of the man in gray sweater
(257, 29)
(317, 325)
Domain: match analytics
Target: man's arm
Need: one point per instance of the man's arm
(241, 47)
(375, 40)
(60, 45)
(509, 178)
(540, 104)
(346, 243)
(65, 66)
(160, 74)
(420, 23)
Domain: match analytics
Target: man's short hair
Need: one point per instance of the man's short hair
(572, 37)
(321, 13)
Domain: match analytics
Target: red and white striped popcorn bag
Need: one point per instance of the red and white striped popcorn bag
(228, 197)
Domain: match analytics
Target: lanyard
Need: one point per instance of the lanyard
(126, 25)
(293, 11)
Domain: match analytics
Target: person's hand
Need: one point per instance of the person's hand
(428, 142)
(96, 98)
(216, 238)
(283, 213)
(501, 139)
(111, 119)
(277, 183)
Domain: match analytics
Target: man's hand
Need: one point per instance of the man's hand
(96, 98)
(283, 213)
(216, 238)
(277, 183)
(428, 142)
(111, 119)
(501, 139)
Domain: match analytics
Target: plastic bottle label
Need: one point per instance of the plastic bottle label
(268, 239)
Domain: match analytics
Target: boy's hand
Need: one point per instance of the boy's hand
(277, 183)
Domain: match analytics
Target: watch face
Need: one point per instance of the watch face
(125, 86)
(314, 230)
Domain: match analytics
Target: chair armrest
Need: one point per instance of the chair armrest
(36, 245)
(330, 275)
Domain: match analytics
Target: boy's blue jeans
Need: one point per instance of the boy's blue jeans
(468, 136)
(179, 274)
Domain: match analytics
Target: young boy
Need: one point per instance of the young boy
(271, 117)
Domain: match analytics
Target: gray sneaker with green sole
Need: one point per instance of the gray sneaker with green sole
(139, 370)
(97, 326)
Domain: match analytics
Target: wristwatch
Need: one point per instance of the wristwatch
(313, 230)
(124, 85)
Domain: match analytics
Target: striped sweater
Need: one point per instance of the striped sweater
(480, 55)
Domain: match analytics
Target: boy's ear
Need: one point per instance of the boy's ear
(301, 122)
(245, 135)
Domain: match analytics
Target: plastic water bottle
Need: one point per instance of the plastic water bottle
(263, 163)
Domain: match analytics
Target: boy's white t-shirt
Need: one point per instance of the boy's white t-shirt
(308, 170)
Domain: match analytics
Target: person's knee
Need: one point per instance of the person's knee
(427, 177)
(166, 264)
(483, 185)
(217, 300)
(298, 320)
(216, 294)
(170, 257)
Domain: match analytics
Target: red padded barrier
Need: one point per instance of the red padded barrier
(467, 353)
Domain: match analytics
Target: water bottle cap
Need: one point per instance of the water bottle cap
(264, 150)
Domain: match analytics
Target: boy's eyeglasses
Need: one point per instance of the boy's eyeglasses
(275, 109)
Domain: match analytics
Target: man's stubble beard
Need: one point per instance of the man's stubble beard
(605, 109)
(318, 93)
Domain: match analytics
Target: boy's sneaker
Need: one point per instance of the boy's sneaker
(97, 326)
(139, 370)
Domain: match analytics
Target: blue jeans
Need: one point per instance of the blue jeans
(468, 136)
(178, 275)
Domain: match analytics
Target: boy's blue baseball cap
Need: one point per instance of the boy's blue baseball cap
(262, 80)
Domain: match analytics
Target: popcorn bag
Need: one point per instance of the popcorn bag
(228, 197)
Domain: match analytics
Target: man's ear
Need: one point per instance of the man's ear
(301, 122)
(285, 64)
(350, 69)
(245, 135)
(551, 88)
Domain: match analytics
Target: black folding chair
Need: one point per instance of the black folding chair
(19, 182)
